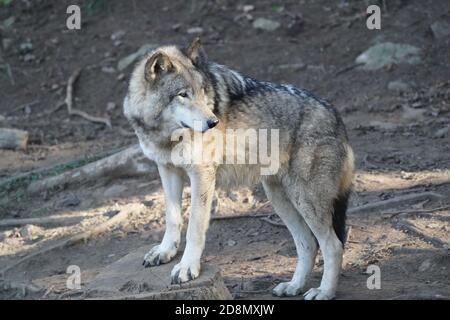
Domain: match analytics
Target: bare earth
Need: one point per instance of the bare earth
(397, 138)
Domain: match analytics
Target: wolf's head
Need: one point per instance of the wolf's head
(169, 90)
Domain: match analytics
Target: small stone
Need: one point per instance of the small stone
(195, 30)
(121, 77)
(29, 57)
(118, 35)
(233, 196)
(9, 22)
(266, 24)
(425, 265)
(399, 86)
(110, 106)
(25, 47)
(248, 7)
(383, 54)
(176, 27)
(108, 70)
(114, 191)
(6, 43)
(412, 114)
(70, 200)
(442, 133)
(30, 232)
(231, 243)
(441, 30)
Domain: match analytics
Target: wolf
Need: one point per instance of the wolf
(178, 88)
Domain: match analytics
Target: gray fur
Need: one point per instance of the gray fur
(316, 162)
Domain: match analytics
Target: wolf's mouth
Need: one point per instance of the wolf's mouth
(185, 125)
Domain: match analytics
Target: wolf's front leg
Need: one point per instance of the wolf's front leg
(202, 189)
(172, 183)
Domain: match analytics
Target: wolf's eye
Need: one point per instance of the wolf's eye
(183, 94)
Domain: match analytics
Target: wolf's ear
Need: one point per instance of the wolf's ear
(158, 64)
(196, 53)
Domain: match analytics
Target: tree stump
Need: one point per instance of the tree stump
(128, 279)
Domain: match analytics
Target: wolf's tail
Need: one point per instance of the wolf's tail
(341, 201)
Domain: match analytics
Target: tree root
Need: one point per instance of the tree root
(412, 230)
(129, 162)
(84, 236)
(386, 204)
(69, 102)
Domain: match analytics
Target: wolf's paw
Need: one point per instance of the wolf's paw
(157, 255)
(319, 294)
(287, 289)
(184, 272)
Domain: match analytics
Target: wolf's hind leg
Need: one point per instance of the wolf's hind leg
(318, 215)
(304, 240)
(173, 189)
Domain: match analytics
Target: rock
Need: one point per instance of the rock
(25, 47)
(30, 232)
(9, 22)
(70, 200)
(6, 44)
(441, 30)
(442, 133)
(29, 57)
(248, 7)
(128, 279)
(121, 77)
(399, 86)
(425, 265)
(118, 35)
(195, 30)
(386, 53)
(111, 106)
(233, 196)
(108, 70)
(384, 126)
(130, 59)
(412, 114)
(114, 191)
(266, 24)
(231, 243)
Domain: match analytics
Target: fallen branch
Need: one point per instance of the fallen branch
(52, 221)
(411, 229)
(23, 106)
(84, 236)
(69, 102)
(370, 207)
(392, 214)
(129, 162)
(22, 178)
(238, 216)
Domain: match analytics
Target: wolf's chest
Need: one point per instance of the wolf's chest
(154, 152)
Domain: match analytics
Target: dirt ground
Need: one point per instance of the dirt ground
(400, 138)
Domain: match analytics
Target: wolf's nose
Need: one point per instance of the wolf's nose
(212, 123)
